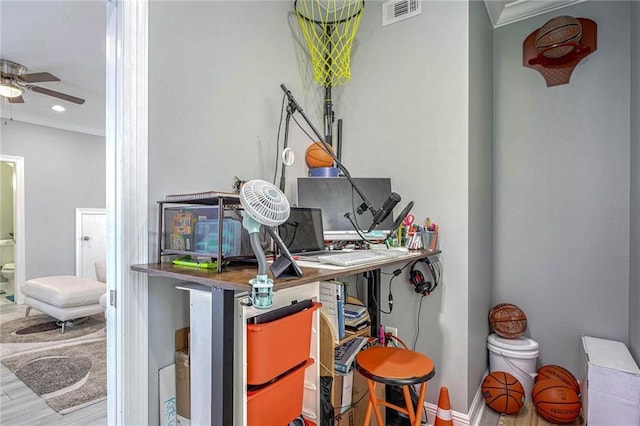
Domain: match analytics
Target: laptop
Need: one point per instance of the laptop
(302, 233)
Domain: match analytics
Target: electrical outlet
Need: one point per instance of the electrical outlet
(392, 330)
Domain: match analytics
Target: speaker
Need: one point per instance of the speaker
(417, 277)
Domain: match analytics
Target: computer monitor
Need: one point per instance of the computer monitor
(335, 196)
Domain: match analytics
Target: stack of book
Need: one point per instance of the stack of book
(356, 317)
(332, 297)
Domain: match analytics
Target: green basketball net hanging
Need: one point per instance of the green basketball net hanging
(329, 27)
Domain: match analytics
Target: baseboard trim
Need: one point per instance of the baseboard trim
(472, 418)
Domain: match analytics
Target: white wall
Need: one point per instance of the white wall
(63, 170)
(418, 109)
(214, 106)
(480, 190)
(406, 116)
(634, 241)
(562, 175)
(214, 109)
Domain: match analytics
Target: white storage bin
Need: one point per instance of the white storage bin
(609, 383)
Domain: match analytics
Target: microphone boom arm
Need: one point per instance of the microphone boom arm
(295, 106)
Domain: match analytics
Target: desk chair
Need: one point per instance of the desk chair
(396, 366)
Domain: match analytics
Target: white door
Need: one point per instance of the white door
(91, 235)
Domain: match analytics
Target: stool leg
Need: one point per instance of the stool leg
(420, 404)
(370, 403)
(373, 401)
(409, 403)
(26, 314)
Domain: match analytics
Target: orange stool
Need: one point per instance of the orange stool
(397, 367)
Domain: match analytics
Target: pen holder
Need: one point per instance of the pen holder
(430, 240)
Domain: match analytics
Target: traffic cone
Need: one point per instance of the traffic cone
(443, 413)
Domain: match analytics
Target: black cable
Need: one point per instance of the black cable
(390, 295)
(390, 299)
(303, 130)
(415, 341)
(275, 171)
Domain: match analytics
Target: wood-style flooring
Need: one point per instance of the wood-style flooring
(19, 405)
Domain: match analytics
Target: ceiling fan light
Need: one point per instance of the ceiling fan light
(10, 91)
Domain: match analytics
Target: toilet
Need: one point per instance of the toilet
(7, 271)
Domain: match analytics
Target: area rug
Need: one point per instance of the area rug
(69, 371)
(527, 416)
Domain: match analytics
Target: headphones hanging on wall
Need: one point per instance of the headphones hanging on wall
(417, 278)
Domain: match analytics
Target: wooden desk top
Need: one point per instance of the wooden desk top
(236, 277)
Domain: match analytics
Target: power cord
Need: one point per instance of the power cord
(415, 341)
(390, 294)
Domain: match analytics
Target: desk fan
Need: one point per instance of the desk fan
(264, 204)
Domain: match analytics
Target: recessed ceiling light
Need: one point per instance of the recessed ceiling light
(58, 108)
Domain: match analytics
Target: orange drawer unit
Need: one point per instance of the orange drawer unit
(278, 346)
(280, 402)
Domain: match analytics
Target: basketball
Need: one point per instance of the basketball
(555, 401)
(507, 320)
(503, 393)
(552, 37)
(317, 156)
(559, 373)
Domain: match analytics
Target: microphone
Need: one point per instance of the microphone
(292, 100)
(384, 211)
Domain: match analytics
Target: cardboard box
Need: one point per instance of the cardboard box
(360, 398)
(345, 419)
(167, 391)
(610, 383)
(183, 377)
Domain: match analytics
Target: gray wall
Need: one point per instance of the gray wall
(562, 175)
(419, 109)
(406, 115)
(480, 190)
(214, 106)
(63, 170)
(214, 109)
(634, 249)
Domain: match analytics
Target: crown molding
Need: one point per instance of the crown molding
(34, 119)
(504, 12)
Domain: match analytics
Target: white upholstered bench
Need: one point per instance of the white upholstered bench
(64, 297)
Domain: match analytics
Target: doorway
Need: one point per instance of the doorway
(15, 238)
(91, 236)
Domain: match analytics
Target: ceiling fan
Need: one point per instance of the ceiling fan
(14, 80)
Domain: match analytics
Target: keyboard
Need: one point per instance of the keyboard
(356, 257)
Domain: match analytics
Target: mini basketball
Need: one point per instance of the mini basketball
(555, 401)
(552, 38)
(507, 320)
(559, 373)
(503, 393)
(317, 156)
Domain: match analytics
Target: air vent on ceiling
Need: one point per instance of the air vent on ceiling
(398, 10)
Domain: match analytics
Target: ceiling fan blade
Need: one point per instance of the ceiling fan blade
(55, 94)
(17, 100)
(37, 77)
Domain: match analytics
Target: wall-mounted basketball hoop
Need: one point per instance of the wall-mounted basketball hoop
(558, 46)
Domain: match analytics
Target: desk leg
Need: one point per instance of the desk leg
(222, 344)
(373, 299)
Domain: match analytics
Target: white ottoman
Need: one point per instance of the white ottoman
(64, 297)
